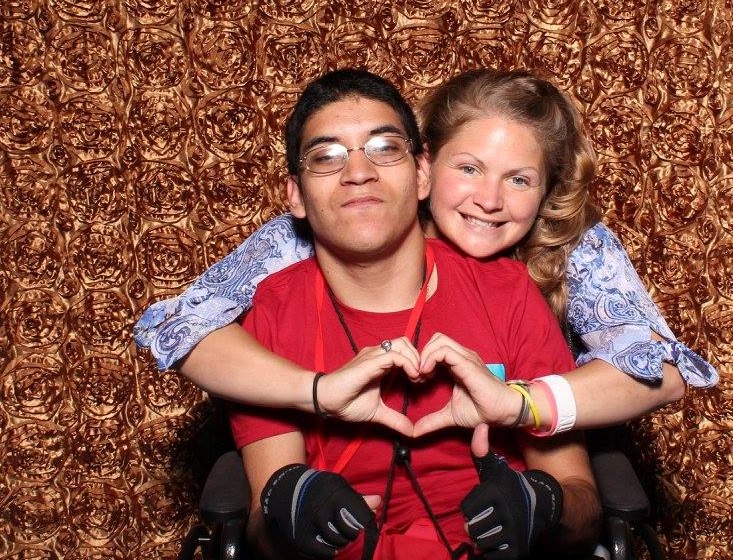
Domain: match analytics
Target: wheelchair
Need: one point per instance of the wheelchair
(225, 500)
(224, 508)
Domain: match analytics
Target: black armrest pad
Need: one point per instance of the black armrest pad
(226, 493)
(621, 492)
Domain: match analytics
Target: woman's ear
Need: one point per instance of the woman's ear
(295, 198)
(423, 176)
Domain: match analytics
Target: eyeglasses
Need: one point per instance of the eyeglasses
(332, 158)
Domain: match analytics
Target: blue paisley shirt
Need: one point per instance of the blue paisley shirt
(609, 309)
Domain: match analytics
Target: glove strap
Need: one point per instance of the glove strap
(371, 538)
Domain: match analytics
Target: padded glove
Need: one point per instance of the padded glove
(318, 512)
(509, 509)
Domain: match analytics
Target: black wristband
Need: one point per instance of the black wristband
(316, 408)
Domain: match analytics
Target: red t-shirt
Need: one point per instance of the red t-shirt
(491, 307)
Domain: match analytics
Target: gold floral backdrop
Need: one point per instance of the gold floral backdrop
(140, 141)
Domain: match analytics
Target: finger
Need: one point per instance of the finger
(401, 349)
(330, 535)
(439, 343)
(319, 549)
(348, 519)
(480, 440)
(394, 420)
(423, 376)
(401, 344)
(339, 388)
(408, 361)
(406, 347)
(373, 501)
(470, 373)
(446, 354)
(434, 421)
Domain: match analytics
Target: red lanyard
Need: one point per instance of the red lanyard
(415, 314)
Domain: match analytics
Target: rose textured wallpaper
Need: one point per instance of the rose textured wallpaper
(140, 141)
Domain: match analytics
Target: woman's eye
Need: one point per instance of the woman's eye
(468, 169)
(517, 181)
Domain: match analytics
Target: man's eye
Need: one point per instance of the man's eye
(387, 148)
(323, 157)
(326, 155)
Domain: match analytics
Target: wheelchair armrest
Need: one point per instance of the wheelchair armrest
(621, 492)
(226, 494)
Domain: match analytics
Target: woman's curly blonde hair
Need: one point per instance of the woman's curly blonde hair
(566, 211)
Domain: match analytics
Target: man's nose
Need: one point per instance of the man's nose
(358, 168)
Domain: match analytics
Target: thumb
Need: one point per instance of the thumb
(373, 501)
(434, 421)
(480, 441)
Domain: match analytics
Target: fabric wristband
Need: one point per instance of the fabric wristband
(564, 404)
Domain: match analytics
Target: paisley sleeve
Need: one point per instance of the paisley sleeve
(171, 328)
(611, 312)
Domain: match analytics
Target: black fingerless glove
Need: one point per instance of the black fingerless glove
(509, 509)
(318, 512)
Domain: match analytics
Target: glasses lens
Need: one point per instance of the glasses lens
(330, 158)
(326, 159)
(384, 150)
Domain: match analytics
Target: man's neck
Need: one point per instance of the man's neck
(381, 284)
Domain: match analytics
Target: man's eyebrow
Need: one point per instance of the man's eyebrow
(318, 140)
(386, 128)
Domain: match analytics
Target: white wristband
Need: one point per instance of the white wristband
(565, 401)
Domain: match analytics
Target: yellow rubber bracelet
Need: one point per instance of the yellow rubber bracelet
(530, 401)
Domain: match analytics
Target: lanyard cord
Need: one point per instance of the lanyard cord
(400, 453)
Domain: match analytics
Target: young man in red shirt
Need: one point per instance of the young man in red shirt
(357, 175)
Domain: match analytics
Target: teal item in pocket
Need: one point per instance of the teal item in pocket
(497, 371)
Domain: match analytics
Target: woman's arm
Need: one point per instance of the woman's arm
(606, 396)
(611, 313)
(172, 327)
(631, 362)
(231, 364)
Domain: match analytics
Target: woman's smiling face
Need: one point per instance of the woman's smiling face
(487, 184)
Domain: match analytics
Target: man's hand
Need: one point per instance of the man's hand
(509, 509)
(317, 512)
(352, 393)
(477, 395)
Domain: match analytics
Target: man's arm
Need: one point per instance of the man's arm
(564, 457)
(261, 459)
(299, 509)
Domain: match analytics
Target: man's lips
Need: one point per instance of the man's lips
(365, 200)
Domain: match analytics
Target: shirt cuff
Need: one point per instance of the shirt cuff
(631, 349)
(171, 333)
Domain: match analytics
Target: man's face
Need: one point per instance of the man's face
(364, 210)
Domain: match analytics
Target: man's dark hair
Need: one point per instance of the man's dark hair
(335, 86)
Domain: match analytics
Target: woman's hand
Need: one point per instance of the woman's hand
(352, 392)
(477, 397)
